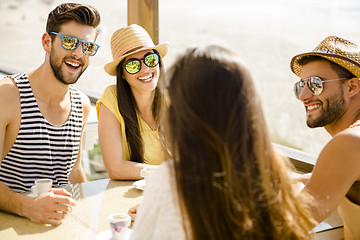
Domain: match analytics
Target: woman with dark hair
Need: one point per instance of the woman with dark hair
(129, 112)
(224, 179)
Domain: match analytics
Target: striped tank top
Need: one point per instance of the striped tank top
(41, 150)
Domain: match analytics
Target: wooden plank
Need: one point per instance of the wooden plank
(302, 161)
(146, 14)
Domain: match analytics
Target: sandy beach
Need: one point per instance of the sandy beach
(266, 34)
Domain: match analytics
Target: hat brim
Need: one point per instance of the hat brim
(110, 68)
(344, 62)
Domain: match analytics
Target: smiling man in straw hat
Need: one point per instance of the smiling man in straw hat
(329, 88)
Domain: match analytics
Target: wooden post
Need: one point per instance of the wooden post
(146, 14)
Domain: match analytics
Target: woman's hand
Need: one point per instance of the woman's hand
(132, 212)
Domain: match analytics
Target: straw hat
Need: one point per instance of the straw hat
(130, 40)
(335, 49)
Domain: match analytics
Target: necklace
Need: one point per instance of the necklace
(151, 124)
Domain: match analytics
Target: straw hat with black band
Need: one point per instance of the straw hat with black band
(335, 49)
(129, 40)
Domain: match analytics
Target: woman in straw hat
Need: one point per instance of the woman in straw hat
(225, 180)
(129, 111)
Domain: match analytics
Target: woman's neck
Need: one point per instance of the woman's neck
(144, 101)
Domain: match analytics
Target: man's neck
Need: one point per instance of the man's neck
(46, 87)
(52, 96)
(351, 117)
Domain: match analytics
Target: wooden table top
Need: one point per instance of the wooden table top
(95, 200)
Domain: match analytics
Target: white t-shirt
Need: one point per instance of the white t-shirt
(159, 215)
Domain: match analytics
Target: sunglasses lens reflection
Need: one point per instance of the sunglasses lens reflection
(70, 43)
(297, 89)
(133, 67)
(315, 85)
(151, 60)
(90, 48)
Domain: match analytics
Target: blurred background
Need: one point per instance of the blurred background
(266, 34)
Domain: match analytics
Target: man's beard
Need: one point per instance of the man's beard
(335, 109)
(56, 67)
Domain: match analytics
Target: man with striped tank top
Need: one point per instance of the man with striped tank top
(43, 116)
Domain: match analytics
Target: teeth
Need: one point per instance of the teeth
(309, 108)
(73, 64)
(147, 78)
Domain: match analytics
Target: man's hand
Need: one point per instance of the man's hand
(50, 207)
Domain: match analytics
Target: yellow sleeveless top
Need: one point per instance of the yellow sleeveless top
(153, 152)
(350, 213)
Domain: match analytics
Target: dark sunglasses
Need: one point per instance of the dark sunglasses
(71, 43)
(314, 84)
(133, 65)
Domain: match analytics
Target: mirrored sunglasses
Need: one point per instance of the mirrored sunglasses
(314, 84)
(71, 43)
(134, 65)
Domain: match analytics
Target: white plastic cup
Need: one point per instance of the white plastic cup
(41, 186)
(119, 223)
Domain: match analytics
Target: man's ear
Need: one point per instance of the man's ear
(353, 86)
(46, 42)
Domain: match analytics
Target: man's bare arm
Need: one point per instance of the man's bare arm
(336, 169)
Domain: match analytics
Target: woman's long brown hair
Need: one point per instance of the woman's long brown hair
(231, 182)
(128, 109)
